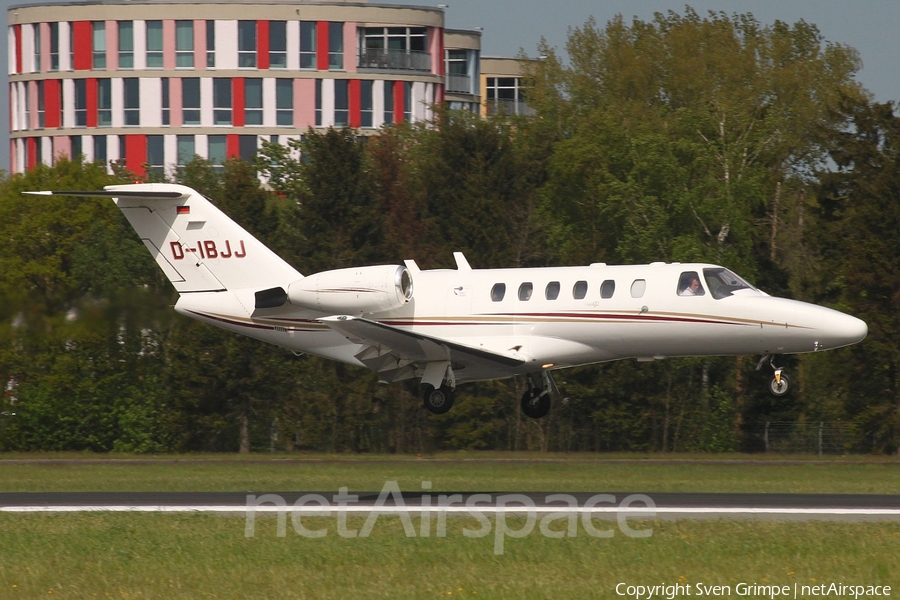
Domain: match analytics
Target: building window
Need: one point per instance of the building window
(80, 102)
(37, 47)
(156, 160)
(132, 100)
(365, 103)
(104, 103)
(341, 103)
(388, 102)
(318, 102)
(307, 44)
(100, 148)
(505, 95)
(54, 46)
(210, 44)
(277, 44)
(184, 44)
(253, 101)
(221, 101)
(247, 44)
(154, 44)
(98, 44)
(394, 48)
(247, 147)
(40, 104)
(218, 151)
(335, 46)
(284, 102)
(407, 101)
(77, 152)
(126, 44)
(458, 72)
(26, 122)
(165, 101)
(190, 100)
(186, 152)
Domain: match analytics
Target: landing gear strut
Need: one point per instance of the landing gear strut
(438, 400)
(536, 400)
(780, 384)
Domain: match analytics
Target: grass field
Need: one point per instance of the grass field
(110, 555)
(203, 556)
(451, 473)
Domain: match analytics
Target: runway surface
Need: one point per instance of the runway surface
(881, 507)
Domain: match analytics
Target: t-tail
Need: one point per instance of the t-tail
(198, 247)
(223, 275)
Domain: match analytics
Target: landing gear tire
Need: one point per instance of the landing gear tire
(438, 400)
(536, 403)
(780, 385)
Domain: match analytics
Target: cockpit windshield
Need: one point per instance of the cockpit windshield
(723, 283)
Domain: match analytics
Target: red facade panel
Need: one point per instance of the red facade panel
(399, 101)
(355, 103)
(17, 31)
(31, 159)
(81, 45)
(232, 146)
(91, 104)
(136, 154)
(52, 103)
(262, 44)
(238, 102)
(322, 45)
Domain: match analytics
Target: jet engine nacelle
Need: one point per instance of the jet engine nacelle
(354, 291)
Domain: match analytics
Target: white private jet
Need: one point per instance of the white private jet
(446, 327)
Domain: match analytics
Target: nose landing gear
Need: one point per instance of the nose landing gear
(780, 384)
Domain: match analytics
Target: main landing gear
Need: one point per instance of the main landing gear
(536, 400)
(780, 384)
(438, 400)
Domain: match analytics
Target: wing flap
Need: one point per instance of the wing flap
(391, 350)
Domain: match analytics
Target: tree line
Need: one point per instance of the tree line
(683, 138)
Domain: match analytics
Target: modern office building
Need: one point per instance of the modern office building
(151, 83)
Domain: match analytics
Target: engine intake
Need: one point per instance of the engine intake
(354, 291)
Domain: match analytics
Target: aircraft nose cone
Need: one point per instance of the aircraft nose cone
(844, 330)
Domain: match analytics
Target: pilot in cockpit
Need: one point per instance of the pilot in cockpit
(690, 285)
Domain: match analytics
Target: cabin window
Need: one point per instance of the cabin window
(525, 291)
(638, 287)
(552, 291)
(689, 284)
(579, 290)
(607, 288)
(723, 283)
(498, 291)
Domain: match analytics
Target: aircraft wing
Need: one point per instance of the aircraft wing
(396, 353)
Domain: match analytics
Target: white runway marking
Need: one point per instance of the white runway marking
(646, 512)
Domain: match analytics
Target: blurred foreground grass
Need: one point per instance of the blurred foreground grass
(193, 556)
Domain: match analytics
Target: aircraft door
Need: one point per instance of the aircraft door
(458, 301)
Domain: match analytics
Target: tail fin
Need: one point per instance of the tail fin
(198, 247)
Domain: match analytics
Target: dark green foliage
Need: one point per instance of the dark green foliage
(684, 138)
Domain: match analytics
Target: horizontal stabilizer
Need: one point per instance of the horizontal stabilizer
(109, 194)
